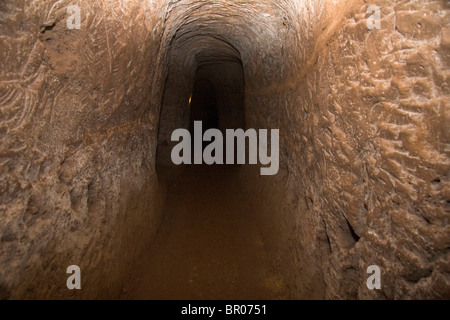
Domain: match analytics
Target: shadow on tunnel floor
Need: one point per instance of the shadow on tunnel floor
(208, 245)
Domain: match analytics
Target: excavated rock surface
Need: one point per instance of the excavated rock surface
(78, 117)
(364, 140)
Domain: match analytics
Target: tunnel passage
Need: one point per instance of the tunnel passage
(207, 80)
(203, 106)
(217, 99)
(87, 114)
(208, 245)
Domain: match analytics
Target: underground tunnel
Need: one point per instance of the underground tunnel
(91, 93)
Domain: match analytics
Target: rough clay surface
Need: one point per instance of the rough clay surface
(78, 118)
(364, 141)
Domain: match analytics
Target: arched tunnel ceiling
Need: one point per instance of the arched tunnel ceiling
(201, 32)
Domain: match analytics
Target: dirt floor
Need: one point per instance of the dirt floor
(208, 245)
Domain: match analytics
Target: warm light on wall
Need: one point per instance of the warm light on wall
(190, 99)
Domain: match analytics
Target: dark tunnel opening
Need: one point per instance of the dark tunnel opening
(204, 106)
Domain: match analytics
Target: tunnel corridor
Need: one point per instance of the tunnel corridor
(208, 245)
(357, 92)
